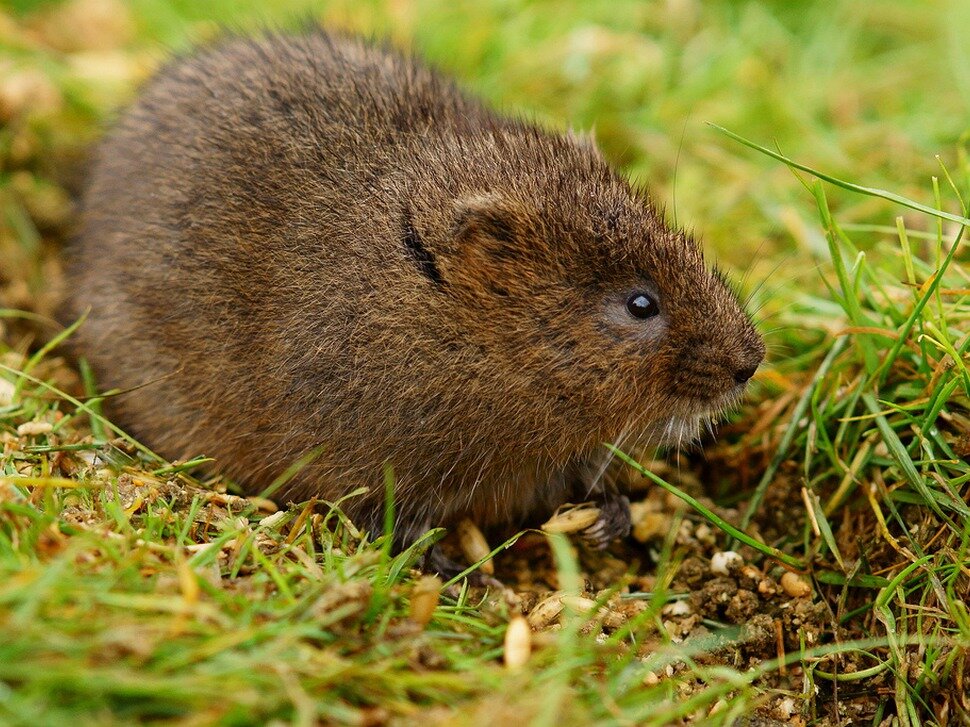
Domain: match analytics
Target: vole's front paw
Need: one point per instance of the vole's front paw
(436, 562)
(614, 522)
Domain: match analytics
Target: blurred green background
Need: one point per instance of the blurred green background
(864, 90)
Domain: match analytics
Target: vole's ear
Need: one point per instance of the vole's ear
(493, 225)
(495, 255)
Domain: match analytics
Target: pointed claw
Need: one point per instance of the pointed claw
(613, 522)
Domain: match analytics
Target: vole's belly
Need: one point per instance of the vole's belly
(515, 500)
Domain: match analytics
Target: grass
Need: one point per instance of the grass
(131, 592)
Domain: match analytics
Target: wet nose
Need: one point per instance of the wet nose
(741, 376)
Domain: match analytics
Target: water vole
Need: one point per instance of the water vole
(300, 242)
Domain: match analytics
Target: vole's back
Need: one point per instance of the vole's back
(240, 254)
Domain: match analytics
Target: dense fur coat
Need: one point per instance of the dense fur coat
(300, 242)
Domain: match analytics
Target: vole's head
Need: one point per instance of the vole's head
(584, 301)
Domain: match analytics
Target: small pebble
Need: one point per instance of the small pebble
(767, 588)
(704, 534)
(784, 708)
(7, 390)
(752, 573)
(579, 604)
(724, 562)
(677, 608)
(648, 524)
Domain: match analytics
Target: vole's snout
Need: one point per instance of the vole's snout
(749, 357)
(707, 370)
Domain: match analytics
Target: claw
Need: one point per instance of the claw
(614, 522)
(436, 562)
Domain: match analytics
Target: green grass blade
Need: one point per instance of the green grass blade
(869, 191)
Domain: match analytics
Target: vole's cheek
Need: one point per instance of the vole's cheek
(618, 327)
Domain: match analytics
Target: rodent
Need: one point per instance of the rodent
(300, 242)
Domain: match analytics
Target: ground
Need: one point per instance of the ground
(810, 565)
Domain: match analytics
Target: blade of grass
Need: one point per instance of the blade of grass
(899, 453)
(85, 408)
(734, 532)
(794, 424)
(44, 350)
(290, 472)
(869, 191)
(91, 391)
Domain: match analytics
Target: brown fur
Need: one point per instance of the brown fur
(306, 241)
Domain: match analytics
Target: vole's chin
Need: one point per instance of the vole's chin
(682, 431)
(689, 419)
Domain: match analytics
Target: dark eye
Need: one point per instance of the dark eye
(642, 305)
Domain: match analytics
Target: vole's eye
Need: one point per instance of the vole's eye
(642, 305)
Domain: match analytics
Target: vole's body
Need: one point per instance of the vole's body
(308, 242)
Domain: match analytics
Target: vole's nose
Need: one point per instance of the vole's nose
(741, 376)
(752, 353)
